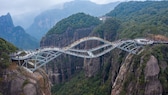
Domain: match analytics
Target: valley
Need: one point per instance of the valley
(124, 54)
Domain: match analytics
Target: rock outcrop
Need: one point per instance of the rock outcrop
(153, 85)
(121, 76)
(141, 80)
(19, 81)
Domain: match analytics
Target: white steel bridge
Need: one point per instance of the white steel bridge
(33, 60)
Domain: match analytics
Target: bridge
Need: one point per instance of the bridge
(32, 60)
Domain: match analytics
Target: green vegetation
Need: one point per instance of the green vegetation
(100, 84)
(109, 27)
(135, 77)
(26, 81)
(75, 21)
(160, 51)
(142, 18)
(5, 49)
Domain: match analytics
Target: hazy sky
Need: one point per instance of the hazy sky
(17, 7)
(24, 11)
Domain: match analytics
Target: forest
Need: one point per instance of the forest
(75, 21)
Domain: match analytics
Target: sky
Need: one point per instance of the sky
(28, 9)
(17, 7)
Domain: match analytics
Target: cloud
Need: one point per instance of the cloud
(24, 11)
(17, 7)
(104, 1)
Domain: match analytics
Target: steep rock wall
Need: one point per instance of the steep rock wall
(62, 68)
(92, 66)
(151, 72)
(21, 82)
(138, 77)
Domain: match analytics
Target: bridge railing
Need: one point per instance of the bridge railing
(45, 54)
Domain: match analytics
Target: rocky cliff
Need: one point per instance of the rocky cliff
(18, 81)
(142, 75)
(64, 66)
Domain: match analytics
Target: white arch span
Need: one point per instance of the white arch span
(33, 60)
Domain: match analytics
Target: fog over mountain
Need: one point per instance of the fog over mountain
(16, 34)
(24, 11)
(47, 19)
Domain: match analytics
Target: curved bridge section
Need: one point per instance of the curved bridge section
(33, 60)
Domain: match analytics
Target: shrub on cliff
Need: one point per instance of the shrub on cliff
(5, 49)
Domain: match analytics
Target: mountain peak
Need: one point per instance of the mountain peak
(6, 20)
(8, 14)
(15, 35)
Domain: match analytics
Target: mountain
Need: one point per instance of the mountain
(46, 20)
(16, 35)
(5, 48)
(117, 72)
(142, 18)
(15, 80)
(82, 25)
(79, 20)
(65, 67)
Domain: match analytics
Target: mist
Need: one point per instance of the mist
(23, 12)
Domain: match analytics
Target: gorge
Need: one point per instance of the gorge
(115, 73)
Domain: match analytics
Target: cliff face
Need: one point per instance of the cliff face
(64, 66)
(18, 81)
(15, 80)
(62, 69)
(140, 76)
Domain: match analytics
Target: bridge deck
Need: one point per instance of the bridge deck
(42, 56)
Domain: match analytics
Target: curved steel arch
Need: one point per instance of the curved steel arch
(33, 60)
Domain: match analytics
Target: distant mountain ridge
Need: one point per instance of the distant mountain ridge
(16, 34)
(46, 20)
(142, 18)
